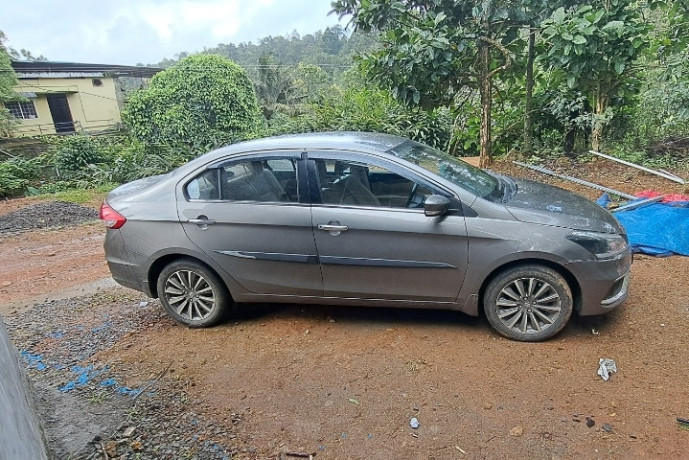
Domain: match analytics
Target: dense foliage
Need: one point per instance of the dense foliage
(8, 81)
(531, 77)
(201, 99)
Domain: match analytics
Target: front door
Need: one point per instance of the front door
(374, 240)
(247, 216)
(59, 110)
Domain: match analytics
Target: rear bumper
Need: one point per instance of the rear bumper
(122, 269)
(604, 284)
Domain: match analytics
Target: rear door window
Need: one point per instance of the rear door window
(262, 179)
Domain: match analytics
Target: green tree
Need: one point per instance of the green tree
(8, 81)
(333, 39)
(274, 83)
(203, 99)
(431, 49)
(596, 47)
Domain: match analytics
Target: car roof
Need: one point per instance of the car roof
(348, 140)
(326, 140)
(332, 139)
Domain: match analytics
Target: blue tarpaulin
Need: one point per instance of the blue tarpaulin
(659, 229)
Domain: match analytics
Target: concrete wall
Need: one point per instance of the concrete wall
(20, 432)
(94, 107)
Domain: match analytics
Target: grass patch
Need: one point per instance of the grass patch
(79, 196)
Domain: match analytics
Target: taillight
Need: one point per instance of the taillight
(110, 217)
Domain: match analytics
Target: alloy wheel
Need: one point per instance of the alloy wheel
(528, 305)
(190, 295)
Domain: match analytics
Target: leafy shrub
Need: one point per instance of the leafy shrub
(136, 160)
(373, 109)
(201, 99)
(77, 152)
(16, 174)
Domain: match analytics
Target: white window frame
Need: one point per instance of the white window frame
(24, 110)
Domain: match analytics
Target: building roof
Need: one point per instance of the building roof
(34, 69)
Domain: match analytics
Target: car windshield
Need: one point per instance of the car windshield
(456, 171)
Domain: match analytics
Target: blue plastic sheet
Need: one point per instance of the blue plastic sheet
(659, 229)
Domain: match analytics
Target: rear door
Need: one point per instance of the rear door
(249, 216)
(373, 238)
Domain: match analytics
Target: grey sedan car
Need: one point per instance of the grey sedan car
(363, 219)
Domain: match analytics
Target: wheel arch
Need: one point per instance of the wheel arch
(563, 271)
(160, 263)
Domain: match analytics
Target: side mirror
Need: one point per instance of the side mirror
(436, 205)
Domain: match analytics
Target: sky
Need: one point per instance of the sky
(128, 32)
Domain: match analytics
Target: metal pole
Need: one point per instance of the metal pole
(671, 177)
(576, 181)
(639, 204)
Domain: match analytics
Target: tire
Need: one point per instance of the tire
(192, 294)
(529, 303)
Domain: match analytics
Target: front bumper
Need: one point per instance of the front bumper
(604, 284)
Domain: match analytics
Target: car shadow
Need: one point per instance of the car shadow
(580, 326)
(384, 317)
(380, 316)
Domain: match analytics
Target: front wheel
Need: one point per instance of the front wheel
(192, 294)
(528, 303)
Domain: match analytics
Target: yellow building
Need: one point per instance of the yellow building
(64, 97)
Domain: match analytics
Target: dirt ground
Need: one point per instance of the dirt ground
(36, 264)
(344, 383)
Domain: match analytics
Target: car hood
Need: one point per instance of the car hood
(544, 204)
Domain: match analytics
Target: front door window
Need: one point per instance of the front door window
(343, 182)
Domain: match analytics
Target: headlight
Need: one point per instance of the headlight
(602, 245)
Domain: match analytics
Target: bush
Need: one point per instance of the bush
(373, 109)
(135, 160)
(77, 152)
(16, 175)
(202, 99)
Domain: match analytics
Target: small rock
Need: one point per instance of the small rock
(517, 431)
(607, 428)
(487, 406)
(590, 422)
(111, 449)
(549, 407)
(414, 423)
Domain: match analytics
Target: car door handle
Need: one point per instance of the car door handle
(332, 228)
(202, 221)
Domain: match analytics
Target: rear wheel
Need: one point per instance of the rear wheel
(192, 294)
(528, 303)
